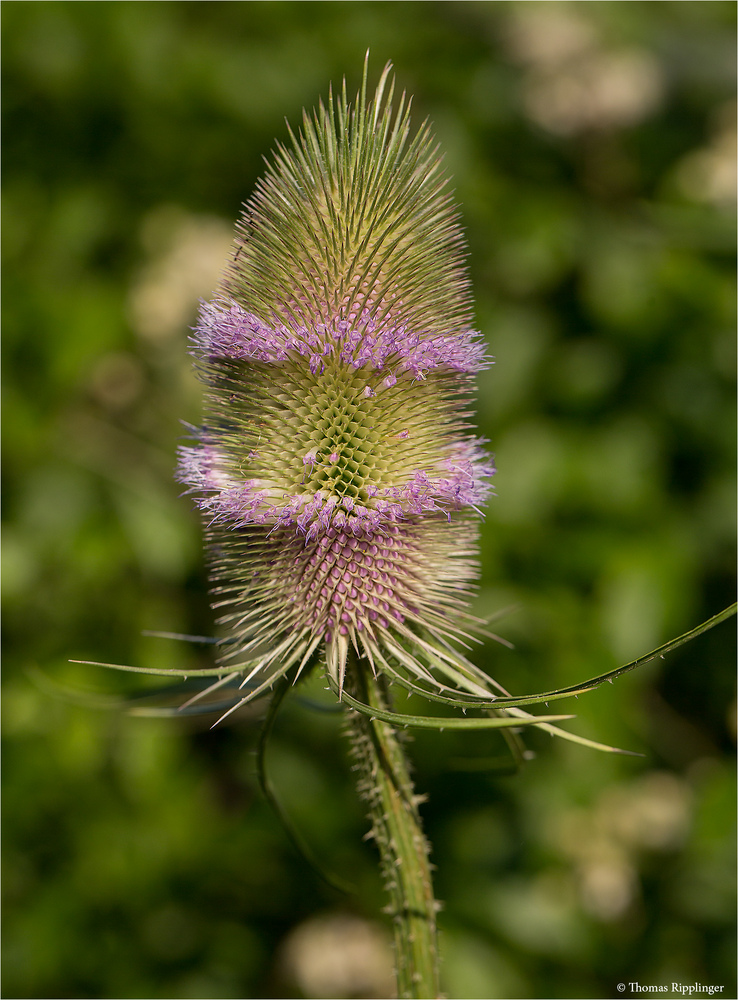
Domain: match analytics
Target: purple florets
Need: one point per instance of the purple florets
(455, 472)
(226, 331)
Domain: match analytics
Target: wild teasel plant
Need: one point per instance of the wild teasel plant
(336, 472)
(339, 480)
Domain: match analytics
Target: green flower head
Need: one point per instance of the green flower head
(335, 470)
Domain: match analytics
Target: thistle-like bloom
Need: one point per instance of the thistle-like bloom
(338, 480)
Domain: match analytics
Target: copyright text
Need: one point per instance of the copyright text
(680, 989)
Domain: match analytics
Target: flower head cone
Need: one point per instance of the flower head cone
(338, 479)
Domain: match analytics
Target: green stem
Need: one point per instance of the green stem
(385, 784)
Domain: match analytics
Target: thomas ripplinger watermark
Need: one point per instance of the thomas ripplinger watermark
(680, 989)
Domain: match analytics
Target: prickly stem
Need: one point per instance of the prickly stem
(385, 784)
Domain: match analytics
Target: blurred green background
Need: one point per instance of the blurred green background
(592, 148)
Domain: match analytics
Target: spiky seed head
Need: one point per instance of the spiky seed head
(335, 470)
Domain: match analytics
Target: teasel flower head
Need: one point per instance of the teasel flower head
(338, 478)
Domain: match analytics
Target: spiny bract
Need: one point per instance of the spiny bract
(337, 476)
